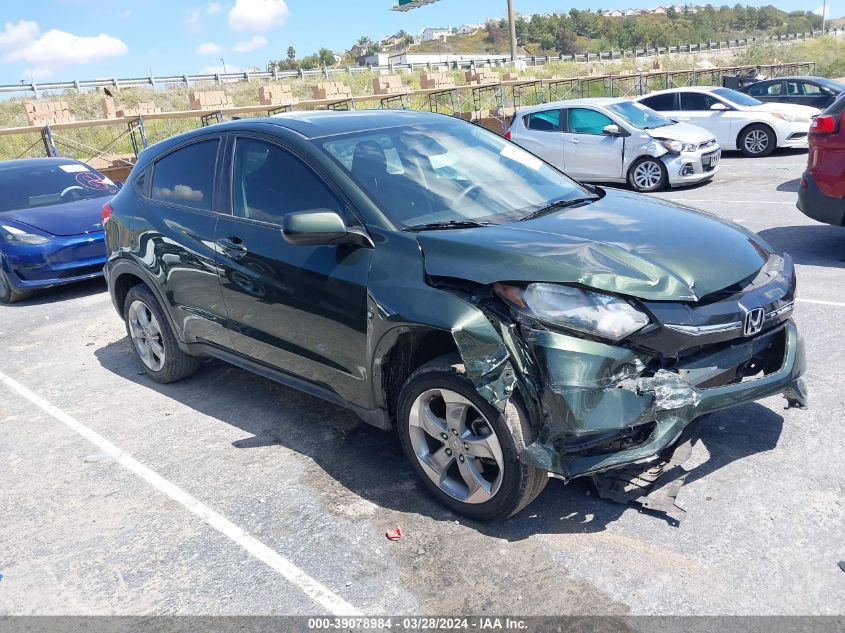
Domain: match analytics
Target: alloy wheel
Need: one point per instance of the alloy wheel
(456, 446)
(146, 335)
(647, 175)
(756, 141)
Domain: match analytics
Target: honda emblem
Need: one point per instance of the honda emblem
(753, 321)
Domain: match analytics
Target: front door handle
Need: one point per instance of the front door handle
(574, 141)
(234, 247)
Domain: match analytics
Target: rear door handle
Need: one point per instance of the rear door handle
(234, 247)
(574, 141)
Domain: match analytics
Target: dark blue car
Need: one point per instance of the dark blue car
(51, 228)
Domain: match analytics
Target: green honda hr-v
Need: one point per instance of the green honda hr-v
(510, 323)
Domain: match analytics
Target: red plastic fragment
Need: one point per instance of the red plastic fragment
(394, 534)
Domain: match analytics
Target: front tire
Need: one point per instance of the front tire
(464, 450)
(757, 141)
(7, 293)
(152, 338)
(648, 174)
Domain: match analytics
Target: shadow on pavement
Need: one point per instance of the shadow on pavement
(811, 244)
(789, 185)
(61, 293)
(370, 462)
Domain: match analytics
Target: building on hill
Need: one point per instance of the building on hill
(468, 29)
(430, 34)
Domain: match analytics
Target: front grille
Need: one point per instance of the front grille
(82, 270)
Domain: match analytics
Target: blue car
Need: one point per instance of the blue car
(51, 229)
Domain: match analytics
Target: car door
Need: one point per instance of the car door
(695, 108)
(299, 309)
(176, 241)
(542, 136)
(589, 153)
(808, 94)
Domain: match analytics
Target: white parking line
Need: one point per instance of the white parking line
(717, 201)
(822, 303)
(320, 594)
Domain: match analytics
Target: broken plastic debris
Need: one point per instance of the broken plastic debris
(670, 390)
(394, 534)
(840, 563)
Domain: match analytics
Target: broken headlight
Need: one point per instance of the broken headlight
(676, 147)
(582, 310)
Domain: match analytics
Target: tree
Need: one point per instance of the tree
(566, 43)
(291, 54)
(326, 57)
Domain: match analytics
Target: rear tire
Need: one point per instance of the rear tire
(7, 293)
(757, 141)
(648, 174)
(152, 338)
(464, 450)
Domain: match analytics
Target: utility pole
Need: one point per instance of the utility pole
(824, 13)
(512, 26)
(223, 61)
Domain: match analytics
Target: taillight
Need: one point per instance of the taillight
(508, 135)
(823, 124)
(106, 212)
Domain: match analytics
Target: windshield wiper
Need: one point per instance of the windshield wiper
(449, 224)
(560, 204)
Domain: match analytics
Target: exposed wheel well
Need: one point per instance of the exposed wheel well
(411, 351)
(122, 285)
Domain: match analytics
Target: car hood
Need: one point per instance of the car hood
(71, 218)
(683, 132)
(787, 108)
(625, 243)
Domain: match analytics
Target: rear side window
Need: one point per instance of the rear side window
(661, 102)
(270, 182)
(697, 101)
(545, 121)
(186, 176)
(584, 121)
(837, 107)
(762, 90)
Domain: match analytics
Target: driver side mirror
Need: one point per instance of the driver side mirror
(321, 227)
(719, 107)
(612, 130)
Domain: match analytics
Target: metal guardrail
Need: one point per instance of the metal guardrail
(247, 76)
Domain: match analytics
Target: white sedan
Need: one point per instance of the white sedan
(616, 140)
(738, 121)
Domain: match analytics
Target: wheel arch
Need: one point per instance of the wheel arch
(762, 123)
(123, 275)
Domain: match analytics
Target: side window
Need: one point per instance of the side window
(662, 102)
(697, 101)
(270, 182)
(546, 121)
(811, 90)
(186, 176)
(763, 90)
(584, 121)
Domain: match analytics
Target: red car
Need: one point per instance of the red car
(821, 195)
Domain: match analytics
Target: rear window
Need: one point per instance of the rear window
(186, 176)
(836, 108)
(39, 184)
(661, 103)
(545, 121)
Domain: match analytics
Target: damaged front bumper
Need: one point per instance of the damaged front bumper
(604, 406)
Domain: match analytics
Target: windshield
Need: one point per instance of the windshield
(832, 84)
(39, 185)
(450, 171)
(736, 97)
(638, 115)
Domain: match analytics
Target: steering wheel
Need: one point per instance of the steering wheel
(465, 193)
(67, 190)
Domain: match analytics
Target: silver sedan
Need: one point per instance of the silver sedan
(616, 140)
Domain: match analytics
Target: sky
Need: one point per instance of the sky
(63, 40)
